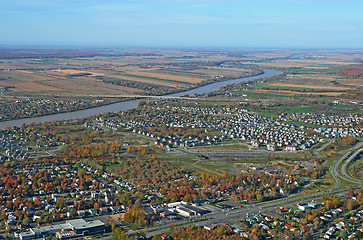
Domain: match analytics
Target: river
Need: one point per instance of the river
(126, 105)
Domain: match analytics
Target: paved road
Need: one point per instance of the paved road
(234, 215)
(335, 168)
(346, 163)
(240, 213)
(293, 199)
(318, 150)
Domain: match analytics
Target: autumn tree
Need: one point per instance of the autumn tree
(118, 234)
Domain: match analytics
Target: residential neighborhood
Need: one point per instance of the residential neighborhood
(220, 125)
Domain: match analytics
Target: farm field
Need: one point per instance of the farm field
(307, 77)
(35, 70)
(72, 72)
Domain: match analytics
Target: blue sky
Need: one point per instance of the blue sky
(192, 23)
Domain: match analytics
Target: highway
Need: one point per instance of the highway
(293, 199)
(346, 163)
(233, 215)
(347, 157)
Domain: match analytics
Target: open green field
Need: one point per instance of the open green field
(14, 76)
(260, 94)
(232, 145)
(294, 109)
(276, 86)
(311, 70)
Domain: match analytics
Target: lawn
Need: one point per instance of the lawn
(260, 94)
(312, 70)
(277, 86)
(15, 76)
(224, 147)
(207, 169)
(132, 226)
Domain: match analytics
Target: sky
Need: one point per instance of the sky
(184, 23)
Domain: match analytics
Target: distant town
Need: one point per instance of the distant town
(180, 144)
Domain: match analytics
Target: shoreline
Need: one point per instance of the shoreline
(123, 105)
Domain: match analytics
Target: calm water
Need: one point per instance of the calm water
(123, 106)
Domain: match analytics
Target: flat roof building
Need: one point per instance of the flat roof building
(69, 229)
(84, 228)
(25, 235)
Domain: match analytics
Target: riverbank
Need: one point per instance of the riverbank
(126, 105)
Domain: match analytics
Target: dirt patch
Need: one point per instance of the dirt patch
(90, 86)
(146, 80)
(118, 217)
(35, 87)
(166, 76)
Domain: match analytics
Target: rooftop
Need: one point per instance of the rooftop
(82, 224)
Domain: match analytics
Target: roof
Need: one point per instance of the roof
(82, 224)
(27, 233)
(185, 209)
(47, 228)
(65, 234)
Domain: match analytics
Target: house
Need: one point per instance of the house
(210, 227)
(314, 204)
(340, 225)
(290, 149)
(271, 147)
(81, 213)
(255, 143)
(114, 209)
(104, 210)
(92, 212)
(304, 207)
(166, 237)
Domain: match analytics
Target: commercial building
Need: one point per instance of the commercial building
(69, 229)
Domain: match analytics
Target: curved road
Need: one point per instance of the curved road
(335, 168)
(317, 151)
(235, 214)
(345, 165)
(232, 215)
